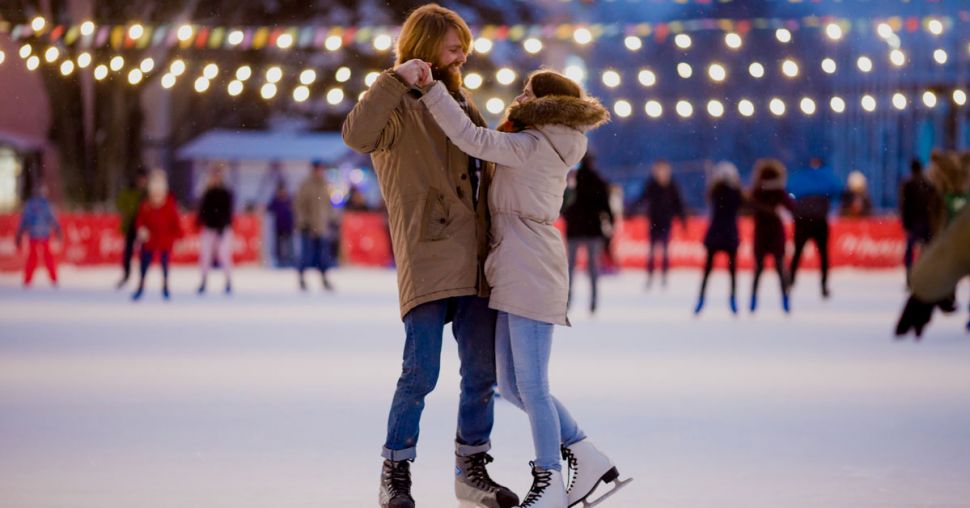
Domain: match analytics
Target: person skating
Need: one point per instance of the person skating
(215, 223)
(281, 208)
(722, 235)
(38, 223)
(315, 218)
(158, 227)
(128, 203)
(663, 202)
(950, 175)
(586, 218)
(813, 189)
(437, 207)
(917, 197)
(856, 203)
(767, 196)
(543, 137)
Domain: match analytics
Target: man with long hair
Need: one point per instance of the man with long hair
(438, 215)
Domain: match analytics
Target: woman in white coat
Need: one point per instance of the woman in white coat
(543, 138)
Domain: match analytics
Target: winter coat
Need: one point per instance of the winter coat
(813, 190)
(37, 220)
(526, 266)
(663, 203)
(945, 262)
(215, 210)
(722, 230)
(950, 174)
(282, 211)
(917, 198)
(128, 203)
(589, 208)
(313, 209)
(162, 222)
(438, 232)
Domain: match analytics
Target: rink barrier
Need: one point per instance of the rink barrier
(95, 239)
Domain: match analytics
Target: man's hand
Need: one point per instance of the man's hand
(915, 316)
(414, 72)
(143, 234)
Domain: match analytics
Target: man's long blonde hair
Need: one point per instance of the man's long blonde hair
(424, 31)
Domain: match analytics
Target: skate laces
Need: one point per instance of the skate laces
(540, 480)
(398, 478)
(573, 464)
(478, 474)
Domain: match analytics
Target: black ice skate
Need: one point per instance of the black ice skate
(475, 488)
(396, 485)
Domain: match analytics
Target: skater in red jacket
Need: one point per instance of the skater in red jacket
(158, 227)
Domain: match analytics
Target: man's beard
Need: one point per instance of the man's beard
(450, 76)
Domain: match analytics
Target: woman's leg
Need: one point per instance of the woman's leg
(504, 362)
(572, 247)
(733, 270)
(708, 267)
(207, 245)
(594, 251)
(49, 263)
(759, 266)
(224, 251)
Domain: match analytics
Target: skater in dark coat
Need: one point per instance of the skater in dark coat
(586, 218)
(722, 232)
(917, 199)
(767, 196)
(663, 204)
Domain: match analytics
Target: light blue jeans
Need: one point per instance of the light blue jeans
(522, 348)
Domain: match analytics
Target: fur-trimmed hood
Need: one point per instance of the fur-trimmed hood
(581, 114)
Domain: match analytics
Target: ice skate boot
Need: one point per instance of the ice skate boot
(474, 487)
(547, 490)
(785, 304)
(733, 303)
(396, 485)
(137, 294)
(754, 303)
(588, 468)
(201, 289)
(699, 307)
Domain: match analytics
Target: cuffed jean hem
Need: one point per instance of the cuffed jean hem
(463, 450)
(399, 455)
(579, 438)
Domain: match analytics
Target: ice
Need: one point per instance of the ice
(273, 398)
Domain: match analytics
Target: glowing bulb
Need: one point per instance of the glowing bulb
(715, 108)
(864, 63)
(960, 97)
(168, 81)
(236, 37)
(87, 28)
(33, 63)
(383, 42)
(184, 33)
(783, 35)
(335, 96)
(868, 103)
(51, 54)
(147, 65)
(647, 78)
(135, 76)
(837, 104)
(505, 76)
(583, 36)
(274, 74)
(575, 73)
(717, 72)
(38, 23)
(808, 106)
(3, 56)
(532, 45)
(244, 73)
(284, 41)
(756, 70)
(633, 43)
(789, 68)
(333, 43)
(833, 31)
(67, 67)
(899, 101)
(935, 27)
(685, 70)
(25, 50)
(897, 57)
(343, 74)
(268, 91)
(733, 40)
(483, 45)
(653, 109)
(84, 60)
(929, 99)
(683, 41)
(777, 107)
(611, 79)
(684, 109)
(177, 68)
(235, 87)
(371, 78)
(829, 66)
(623, 108)
(940, 56)
(746, 108)
(473, 81)
(495, 105)
(201, 84)
(116, 63)
(308, 76)
(884, 30)
(210, 71)
(301, 93)
(136, 31)
(100, 72)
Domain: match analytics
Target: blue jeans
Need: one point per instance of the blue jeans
(522, 348)
(315, 252)
(473, 325)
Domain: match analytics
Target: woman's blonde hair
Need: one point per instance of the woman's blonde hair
(424, 31)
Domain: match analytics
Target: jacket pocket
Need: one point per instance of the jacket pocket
(436, 217)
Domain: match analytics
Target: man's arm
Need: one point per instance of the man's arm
(373, 124)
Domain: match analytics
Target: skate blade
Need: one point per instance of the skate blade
(617, 485)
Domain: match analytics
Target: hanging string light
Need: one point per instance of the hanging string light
(685, 70)
(135, 76)
(482, 45)
(897, 57)
(611, 78)
(684, 109)
(168, 80)
(136, 31)
(235, 88)
(929, 99)
(333, 43)
(301, 93)
(244, 73)
(864, 63)
(783, 35)
(473, 81)
(715, 108)
(633, 43)
(177, 68)
(100, 72)
(284, 41)
(236, 37)
(67, 67)
(837, 104)
(84, 60)
(789, 68)
(868, 103)
(532, 45)
(717, 72)
(808, 106)
(87, 28)
(335, 96)
(383, 42)
(371, 78)
(268, 91)
(653, 109)
(583, 36)
(505, 76)
(622, 108)
(829, 66)
(683, 41)
(899, 101)
(343, 74)
(33, 62)
(833, 31)
(940, 56)
(201, 84)
(733, 40)
(756, 70)
(117, 63)
(495, 105)
(746, 108)
(210, 71)
(959, 97)
(777, 107)
(647, 78)
(38, 23)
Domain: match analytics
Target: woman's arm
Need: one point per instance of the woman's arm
(509, 149)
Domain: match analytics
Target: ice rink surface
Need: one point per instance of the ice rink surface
(272, 398)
